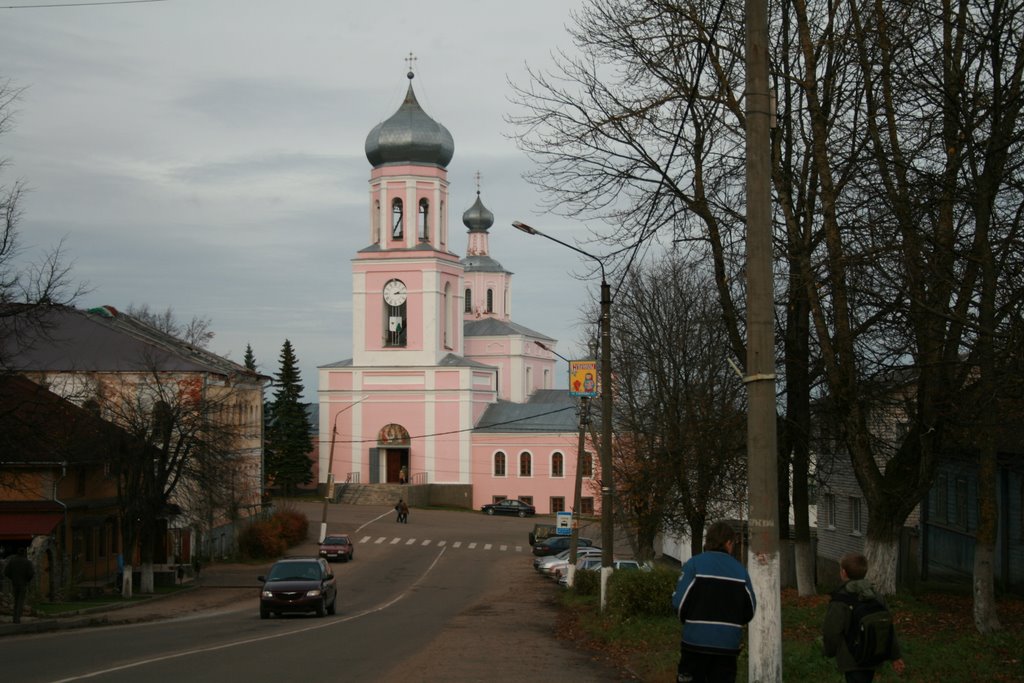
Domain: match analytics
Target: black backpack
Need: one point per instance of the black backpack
(870, 635)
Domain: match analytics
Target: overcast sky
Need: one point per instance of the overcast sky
(207, 155)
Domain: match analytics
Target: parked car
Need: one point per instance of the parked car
(556, 544)
(593, 564)
(509, 506)
(555, 565)
(337, 547)
(298, 584)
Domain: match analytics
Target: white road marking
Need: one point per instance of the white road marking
(247, 641)
(426, 541)
(457, 544)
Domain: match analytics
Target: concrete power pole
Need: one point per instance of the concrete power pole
(765, 662)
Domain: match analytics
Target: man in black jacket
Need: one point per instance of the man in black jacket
(20, 571)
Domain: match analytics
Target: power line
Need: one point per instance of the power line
(80, 4)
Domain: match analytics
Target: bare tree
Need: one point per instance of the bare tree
(678, 404)
(187, 444)
(196, 332)
(26, 287)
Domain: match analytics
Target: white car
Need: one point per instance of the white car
(585, 564)
(553, 565)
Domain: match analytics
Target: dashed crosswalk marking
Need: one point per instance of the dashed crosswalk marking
(469, 545)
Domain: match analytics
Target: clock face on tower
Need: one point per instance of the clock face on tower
(395, 293)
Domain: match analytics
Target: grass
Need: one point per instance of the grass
(935, 629)
(56, 609)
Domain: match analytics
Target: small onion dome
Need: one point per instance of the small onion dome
(410, 136)
(478, 218)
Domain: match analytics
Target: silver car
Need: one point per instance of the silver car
(553, 565)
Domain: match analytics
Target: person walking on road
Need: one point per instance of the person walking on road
(20, 571)
(404, 513)
(714, 598)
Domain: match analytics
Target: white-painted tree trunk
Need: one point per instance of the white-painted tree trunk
(882, 559)
(146, 578)
(765, 631)
(804, 569)
(126, 582)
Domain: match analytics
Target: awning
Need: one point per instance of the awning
(19, 526)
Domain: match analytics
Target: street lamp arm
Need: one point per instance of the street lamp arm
(519, 225)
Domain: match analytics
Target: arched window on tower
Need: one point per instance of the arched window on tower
(490, 301)
(424, 220)
(469, 301)
(396, 219)
(375, 222)
(448, 315)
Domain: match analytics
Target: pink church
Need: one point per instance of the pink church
(443, 388)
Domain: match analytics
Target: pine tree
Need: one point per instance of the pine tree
(250, 357)
(288, 441)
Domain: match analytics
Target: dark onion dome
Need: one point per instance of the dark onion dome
(410, 137)
(478, 218)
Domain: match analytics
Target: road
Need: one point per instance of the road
(404, 606)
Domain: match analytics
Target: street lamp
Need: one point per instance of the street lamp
(578, 490)
(329, 484)
(607, 478)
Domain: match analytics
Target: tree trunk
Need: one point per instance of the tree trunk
(804, 555)
(126, 582)
(882, 560)
(146, 577)
(986, 620)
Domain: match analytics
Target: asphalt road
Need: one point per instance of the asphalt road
(438, 599)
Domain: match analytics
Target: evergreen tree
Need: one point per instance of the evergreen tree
(288, 442)
(250, 358)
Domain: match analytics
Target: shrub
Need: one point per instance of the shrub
(293, 525)
(587, 583)
(262, 538)
(642, 594)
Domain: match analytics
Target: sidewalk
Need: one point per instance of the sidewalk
(216, 586)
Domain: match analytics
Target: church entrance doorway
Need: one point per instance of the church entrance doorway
(393, 441)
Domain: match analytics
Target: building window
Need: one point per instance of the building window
(941, 511)
(498, 499)
(961, 503)
(468, 307)
(587, 463)
(448, 316)
(424, 222)
(527, 499)
(499, 464)
(557, 504)
(586, 506)
(525, 464)
(490, 301)
(830, 511)
(557, 465)
(856, 517)
(396, 219)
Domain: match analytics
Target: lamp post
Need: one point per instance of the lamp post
(578, 490)
(329, 484)
(607, 479)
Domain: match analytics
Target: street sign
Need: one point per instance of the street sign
(583, 378)
(563, 524)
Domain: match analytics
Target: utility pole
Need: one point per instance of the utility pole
(765, 661)
(578, 498)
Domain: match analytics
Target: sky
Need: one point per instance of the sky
(207, 155)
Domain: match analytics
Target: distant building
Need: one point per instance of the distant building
(442, 382)
(93, 357)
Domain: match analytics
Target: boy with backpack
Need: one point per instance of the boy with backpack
(859, 630)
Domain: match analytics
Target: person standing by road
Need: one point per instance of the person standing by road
(403, 513)
(20, 571)
(714, 598)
